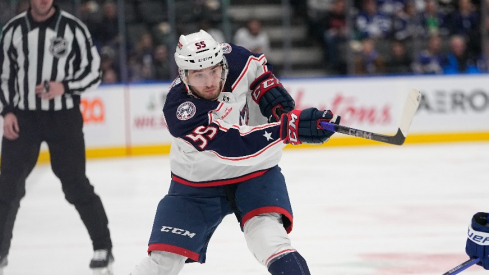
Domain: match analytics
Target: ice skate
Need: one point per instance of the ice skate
(101, 263)
(3, 263)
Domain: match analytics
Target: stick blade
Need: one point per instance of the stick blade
(412, 104)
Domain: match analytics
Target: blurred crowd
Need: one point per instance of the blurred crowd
(372, 37)
(402, 36)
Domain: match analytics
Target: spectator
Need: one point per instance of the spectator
(208, 9)
(399, 61)
(162, 33)
(316, 13)
(434, 22)
(90, 15)
(483, 60)
(391, 7)
(253, 37)
(108, 67)
(336, 34)
(206, 25)
(134, 68)
(430, 60)
(405, 23)
(446, 6)
(370, 61)
(371, 23)
(161, 63)
(107, 32)
(109, 76)
(458, 60)
(144, 55)
(465, 21)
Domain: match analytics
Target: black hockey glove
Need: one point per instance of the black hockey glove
(269, 94)
(478, 239)
(303, 126)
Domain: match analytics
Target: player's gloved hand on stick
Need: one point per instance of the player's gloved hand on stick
(270, 95)
(478, 239)
(303, 126)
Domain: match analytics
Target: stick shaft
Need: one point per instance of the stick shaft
(397, 139)
(410, 107)
(463, 266)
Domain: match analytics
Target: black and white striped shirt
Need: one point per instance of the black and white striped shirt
(59, 49)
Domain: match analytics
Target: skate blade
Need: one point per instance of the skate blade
(103, 271)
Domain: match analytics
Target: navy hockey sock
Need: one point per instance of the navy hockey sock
(290, 264)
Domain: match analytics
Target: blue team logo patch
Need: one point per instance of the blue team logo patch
(226, 48)
(186, 111)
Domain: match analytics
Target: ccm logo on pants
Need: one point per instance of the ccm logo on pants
(177, 231)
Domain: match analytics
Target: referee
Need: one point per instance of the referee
(47, 61)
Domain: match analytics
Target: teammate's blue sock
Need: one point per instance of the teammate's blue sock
(290, 264)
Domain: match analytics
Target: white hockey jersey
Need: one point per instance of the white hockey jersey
(224, 141)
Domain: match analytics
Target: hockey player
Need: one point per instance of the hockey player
(478, 239)
(224, 112)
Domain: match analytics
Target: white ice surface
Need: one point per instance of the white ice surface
(385, 210)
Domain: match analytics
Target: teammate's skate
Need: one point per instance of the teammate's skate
(101, 263)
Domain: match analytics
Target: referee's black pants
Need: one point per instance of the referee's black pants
(63, 133)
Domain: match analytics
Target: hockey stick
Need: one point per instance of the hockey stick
(410, 108)
(463, 266)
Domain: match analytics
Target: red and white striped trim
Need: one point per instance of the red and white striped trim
(219, 182)
(269, 209)
(283, 252)
(174, 249)
(243, 73)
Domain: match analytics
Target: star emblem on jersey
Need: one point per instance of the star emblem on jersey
(186, 111)
(58, 47)
(268, 136)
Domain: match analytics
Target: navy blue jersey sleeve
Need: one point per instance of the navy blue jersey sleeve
(183, 113)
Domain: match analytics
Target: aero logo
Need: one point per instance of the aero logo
(93, 110)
